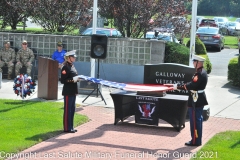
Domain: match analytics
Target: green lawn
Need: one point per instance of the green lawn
(231, 41)
(222, 146)
(25, 123)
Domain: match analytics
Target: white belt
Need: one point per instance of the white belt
(199, 91)
(195, 94)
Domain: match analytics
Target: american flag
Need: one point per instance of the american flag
(127, 87)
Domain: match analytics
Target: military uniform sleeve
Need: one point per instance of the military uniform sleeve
(18, 56)
(31, 56)
(193, 85)
(13, 55)
(66, 76)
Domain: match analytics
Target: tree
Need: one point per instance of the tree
(11, 15)
(54, 15)
(133, 17)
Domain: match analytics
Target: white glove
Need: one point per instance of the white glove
(75, 79)
(175, 86)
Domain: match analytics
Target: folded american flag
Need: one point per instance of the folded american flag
(127, 87)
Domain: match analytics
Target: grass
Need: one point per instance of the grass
(231, 41)
(25, 123)
(223, 146)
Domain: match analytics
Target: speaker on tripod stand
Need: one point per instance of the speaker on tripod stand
(98, 51)
(99, 46)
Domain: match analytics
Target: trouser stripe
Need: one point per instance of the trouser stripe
(66, 114)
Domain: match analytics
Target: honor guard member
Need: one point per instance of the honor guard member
(69, 80)
(7, 57)
(196, 100)
(25, 58)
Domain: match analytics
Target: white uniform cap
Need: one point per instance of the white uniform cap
(71, 53)
(198, 58)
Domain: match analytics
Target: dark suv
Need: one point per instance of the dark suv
(208, 23)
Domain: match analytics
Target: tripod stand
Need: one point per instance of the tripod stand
(96, 87)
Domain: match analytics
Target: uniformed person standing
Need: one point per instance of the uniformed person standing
(196, 100)
(7, 57)
(69, 80)
(24, 57)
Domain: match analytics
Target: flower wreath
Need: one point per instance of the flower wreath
(23, 85)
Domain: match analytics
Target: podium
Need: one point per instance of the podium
(47, 78)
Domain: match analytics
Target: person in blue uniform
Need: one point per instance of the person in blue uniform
(58, 55)
(196, 100)
(69, 80)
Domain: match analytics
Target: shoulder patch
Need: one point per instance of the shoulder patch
(195, 79)
(63, 72)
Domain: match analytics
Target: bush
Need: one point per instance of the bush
(199, 46)
(207, 65)
(234, 71)
(176, 53)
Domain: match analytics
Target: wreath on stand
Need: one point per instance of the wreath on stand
(24, 85)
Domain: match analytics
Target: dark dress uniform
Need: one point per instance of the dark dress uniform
(196, 102)
(69, 92)
(198, 84)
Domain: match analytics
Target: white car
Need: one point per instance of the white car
(221, 21)
(166, 36)
(231, 28)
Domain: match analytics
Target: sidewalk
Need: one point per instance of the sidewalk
(100, 139)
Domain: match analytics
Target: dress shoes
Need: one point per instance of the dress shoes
(71, 131)
(190, 144)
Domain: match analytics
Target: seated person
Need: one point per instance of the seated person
(7, 57)
(58, 55)
(24, 57)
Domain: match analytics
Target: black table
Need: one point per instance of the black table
(170, 108)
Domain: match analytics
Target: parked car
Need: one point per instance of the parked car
(239, 45)
(221, 21)
(211, 37)
(110, 32)
(199, 19)
(238, 34)
(162, 34)
(208, 22)
(230, 28)
(237, 20)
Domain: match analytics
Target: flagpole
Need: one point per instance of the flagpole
(94, 26)
(193, 31)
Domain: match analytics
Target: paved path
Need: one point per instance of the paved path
(100, 139)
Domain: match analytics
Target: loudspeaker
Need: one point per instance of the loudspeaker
(99, 46)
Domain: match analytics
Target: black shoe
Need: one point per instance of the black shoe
(71, 131)
(190, 144)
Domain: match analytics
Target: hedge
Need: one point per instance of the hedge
(177, 53)
(234, 71)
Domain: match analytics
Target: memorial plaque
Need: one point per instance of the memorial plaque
(168, 73)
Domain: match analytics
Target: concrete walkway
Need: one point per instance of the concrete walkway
(100, 139)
